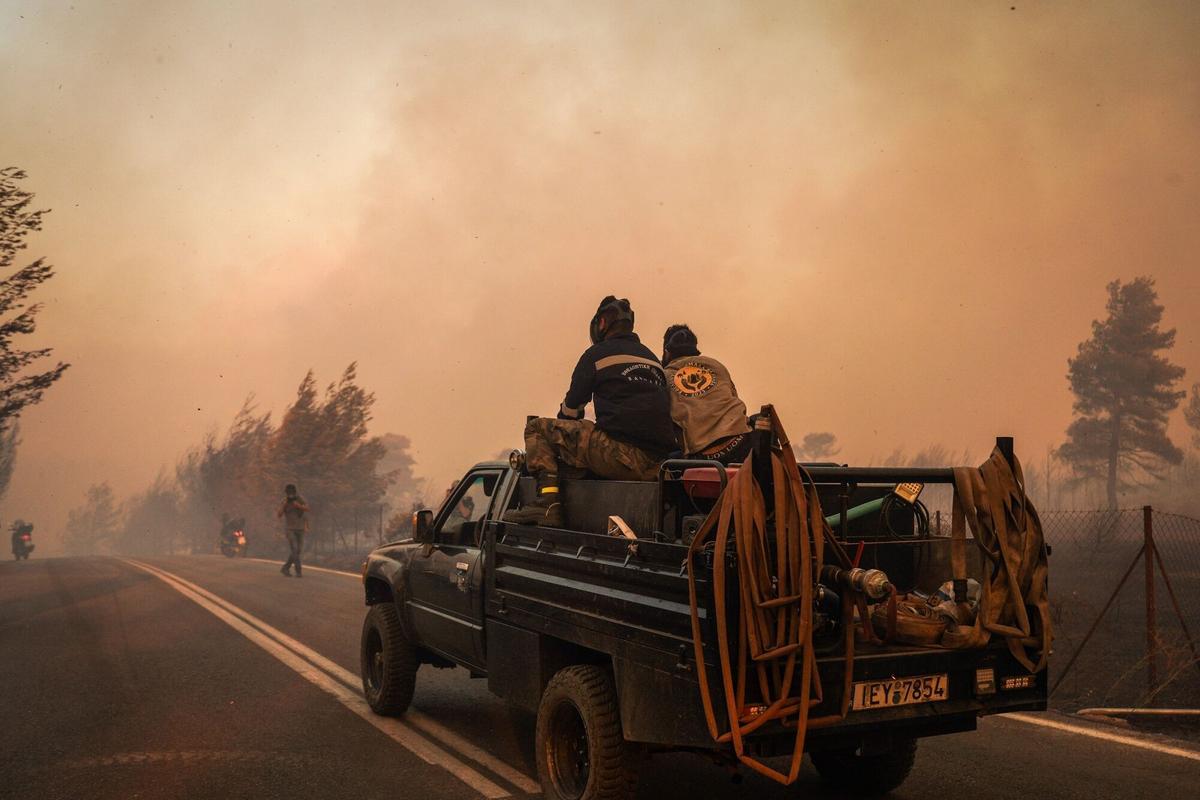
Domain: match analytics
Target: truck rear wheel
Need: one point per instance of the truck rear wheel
(388, 662)
(581, 751)
(867, 775)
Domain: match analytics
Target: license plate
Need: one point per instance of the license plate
(900, 691)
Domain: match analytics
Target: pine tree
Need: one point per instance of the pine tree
(92, 527)
(19, 388)
(1124, 390)
(398, 466)
(322, 446)
(230, 476)
(818, 446)
(293, 448)
(9, 439)
(151, 520)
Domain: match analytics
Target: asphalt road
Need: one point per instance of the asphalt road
(214, 678)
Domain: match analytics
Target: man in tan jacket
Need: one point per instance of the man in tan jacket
(704, 402)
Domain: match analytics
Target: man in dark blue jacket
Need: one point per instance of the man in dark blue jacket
(633, 430)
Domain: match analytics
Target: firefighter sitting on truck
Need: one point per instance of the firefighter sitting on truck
(632, 433)
(704, 402)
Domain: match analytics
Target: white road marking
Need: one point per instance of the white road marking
(416, 718)
(452, 739)
(395, 728)
(1081, 730)
(308, 567)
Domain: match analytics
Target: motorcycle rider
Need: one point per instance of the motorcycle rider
(230, 528)
(22, 539)
(632, 433)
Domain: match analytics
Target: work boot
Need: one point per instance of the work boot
(545, 510)
(285, 571)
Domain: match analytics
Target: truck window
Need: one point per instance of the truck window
(468, 507)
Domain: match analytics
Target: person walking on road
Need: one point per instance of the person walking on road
(294, 513)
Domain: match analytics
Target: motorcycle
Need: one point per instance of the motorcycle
(234, 546)
(22, 545)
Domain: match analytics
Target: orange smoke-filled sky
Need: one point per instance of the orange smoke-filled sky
(895, 221)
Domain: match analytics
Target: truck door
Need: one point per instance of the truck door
(446, 578)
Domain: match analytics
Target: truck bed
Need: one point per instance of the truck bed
(554, 596)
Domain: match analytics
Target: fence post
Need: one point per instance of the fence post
(1151, 607)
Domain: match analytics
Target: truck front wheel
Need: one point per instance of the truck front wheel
(388, 662)
(581, 751)
(867, 774)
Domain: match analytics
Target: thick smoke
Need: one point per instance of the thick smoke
(895, 223)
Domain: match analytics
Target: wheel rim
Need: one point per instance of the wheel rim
(374, 661)
(567, 751)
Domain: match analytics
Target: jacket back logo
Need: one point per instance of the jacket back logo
(694, 380)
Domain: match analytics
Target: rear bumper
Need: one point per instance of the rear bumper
(969, 698)
(908, 722)
(664, 710)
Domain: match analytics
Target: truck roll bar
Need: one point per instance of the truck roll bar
(889, 475)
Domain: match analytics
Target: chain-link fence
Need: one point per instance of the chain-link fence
(1125, 602)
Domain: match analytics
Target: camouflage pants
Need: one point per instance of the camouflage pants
(578, 445)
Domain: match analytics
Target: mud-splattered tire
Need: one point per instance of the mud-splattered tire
(388, 662)
(581, 752)
(867, 775)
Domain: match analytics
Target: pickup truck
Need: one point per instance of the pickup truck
(593, 632)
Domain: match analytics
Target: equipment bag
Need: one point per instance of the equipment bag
(1007, 529)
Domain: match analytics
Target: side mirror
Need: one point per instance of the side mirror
(423, 526)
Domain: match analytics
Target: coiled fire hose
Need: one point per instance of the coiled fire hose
(775, 620)
(774, 646)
